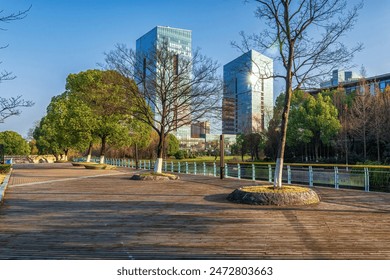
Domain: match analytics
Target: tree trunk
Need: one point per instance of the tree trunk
(364, 143)
(378, 147)
(283, 131)
(66, 154)
(103, 150)
(282, 145)
(136, 156)
(316, 148)
(89, 153)
(160, 151)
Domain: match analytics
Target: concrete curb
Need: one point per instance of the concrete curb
(4, 186)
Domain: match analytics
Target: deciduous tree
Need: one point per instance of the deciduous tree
(178, 89)
(9, 106)
(306, 35)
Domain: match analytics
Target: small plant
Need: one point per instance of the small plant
(5, 168)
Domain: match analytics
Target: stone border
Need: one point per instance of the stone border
(154, 177)
(307, 197)
(4, 186)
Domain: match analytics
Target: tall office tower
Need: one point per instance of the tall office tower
(179, 42)
(248, 94)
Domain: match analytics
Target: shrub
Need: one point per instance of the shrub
(183, 154)
(5, 168)
(179, 154)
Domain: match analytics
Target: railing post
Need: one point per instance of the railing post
(204, 169)
(178, 167)
(289, 174)
(310, 176)
(165, 166)
(336, 177)
(269, 173)
(238, 171)
(171, 166)
(253, 173)
(195, 167)
(226, 171)
(366, 179)
(214, 169)
(149, 164)
(186, 167)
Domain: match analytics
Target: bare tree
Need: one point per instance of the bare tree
(178, 90)
(5, 75)
(377, 123)
(360, 114)
(306, 35)
(8, 106)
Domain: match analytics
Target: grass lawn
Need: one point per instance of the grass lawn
(211, 159)
(2, 177)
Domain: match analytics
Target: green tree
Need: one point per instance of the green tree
(253, 143)
(14, 144)
(239, 147)
(105, 93)
(312, 118)
(67, 125)
(173, 145)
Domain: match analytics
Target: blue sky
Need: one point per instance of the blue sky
(59, 37)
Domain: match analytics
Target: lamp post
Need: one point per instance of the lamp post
(222, 159)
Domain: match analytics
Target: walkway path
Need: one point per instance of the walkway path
(56, 211)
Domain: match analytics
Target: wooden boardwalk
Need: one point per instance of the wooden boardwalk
(64, 212)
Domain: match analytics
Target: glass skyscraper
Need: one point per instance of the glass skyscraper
(179, 42)
(248, 94)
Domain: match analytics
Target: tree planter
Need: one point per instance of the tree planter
(83, 163)
(99, 166)
(268, 195)
(155, 177)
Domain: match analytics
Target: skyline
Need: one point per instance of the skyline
(57, 39)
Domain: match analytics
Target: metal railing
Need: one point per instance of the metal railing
(360, 177)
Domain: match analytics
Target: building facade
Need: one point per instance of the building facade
(248, 94)
(179, 41)
(200, 129)
(358, 85)
(339, 77)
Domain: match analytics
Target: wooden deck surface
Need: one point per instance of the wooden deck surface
(64, 212)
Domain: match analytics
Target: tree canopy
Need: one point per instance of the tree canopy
(105, 94)
(14, 144)
(312, 118)
(67, 125)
